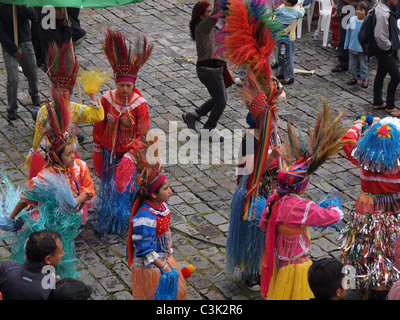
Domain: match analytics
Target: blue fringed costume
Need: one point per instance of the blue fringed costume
(52, 206)
(151, 239)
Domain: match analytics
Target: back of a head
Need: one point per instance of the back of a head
(70, 289)
(41, 244)
(325, 277)
(292, 2)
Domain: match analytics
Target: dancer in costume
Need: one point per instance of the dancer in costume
(245, 242)
(370, 235)
(63, 71)
(243, 47)
(285, 219)
(155, 273)
(125, 110)
(58, 192)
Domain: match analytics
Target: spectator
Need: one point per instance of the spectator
(287, 13)
(70, 289)
(25, 281)
(341, 13)
(358, 60)
(18, 54)
(325, 278)
(60, 35)
(78, 34)
(388, 44)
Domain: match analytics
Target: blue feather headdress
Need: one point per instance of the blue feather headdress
(379, 149)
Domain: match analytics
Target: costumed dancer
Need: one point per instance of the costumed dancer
(368, 240)
(125, 110)
(53, 199)
(242, 46)
(155, 273)
(256, 181)
(63, 71)
(285, 219)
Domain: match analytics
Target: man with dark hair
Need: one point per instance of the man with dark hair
(325, 278)
(30, 281)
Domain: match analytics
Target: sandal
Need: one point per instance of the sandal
(393, 112)
(382, 106)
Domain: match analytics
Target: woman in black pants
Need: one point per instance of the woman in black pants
(210, 67)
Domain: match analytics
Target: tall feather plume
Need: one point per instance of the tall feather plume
(248, 35)
(252, 88)
(62, 66)
(322, 143)
(59, 117)
(118, 53)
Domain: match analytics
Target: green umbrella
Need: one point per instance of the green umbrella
(71, 3)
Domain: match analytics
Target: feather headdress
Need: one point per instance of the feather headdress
(62, 66)
(125, 61)
(248, 35)
(59, 119)
(324, 141)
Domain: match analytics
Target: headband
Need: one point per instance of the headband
(157, 183)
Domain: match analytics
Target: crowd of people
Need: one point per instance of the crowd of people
(268, 239)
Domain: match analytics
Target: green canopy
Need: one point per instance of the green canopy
(71, 3)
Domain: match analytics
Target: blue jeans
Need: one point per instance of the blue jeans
(213, 79)
(358, 63)
(286, 67)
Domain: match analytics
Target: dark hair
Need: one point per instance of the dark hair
(363, 6)
(195, 20)
(292, 2)
(70, 289)
(325, 277)
(40, 244)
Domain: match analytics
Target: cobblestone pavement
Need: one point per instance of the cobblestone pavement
(203, 190)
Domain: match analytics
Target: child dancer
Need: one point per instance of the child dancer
(155, 273)
(285, 219)
(358, 60)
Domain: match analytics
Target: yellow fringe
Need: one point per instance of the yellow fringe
(92, 80)
(28, 160)
(290, 283)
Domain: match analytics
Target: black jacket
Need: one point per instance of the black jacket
(24, 14)
(22, 281)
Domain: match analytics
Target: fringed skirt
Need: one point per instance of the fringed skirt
(369, 240)
(245, 242)
(112, 208)
(290, 282)
(145, 282)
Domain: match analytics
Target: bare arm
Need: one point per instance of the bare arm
(18, 208)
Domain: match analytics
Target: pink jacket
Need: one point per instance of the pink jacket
(293, 215)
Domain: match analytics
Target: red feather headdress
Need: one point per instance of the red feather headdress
(248, 35)
(62, 66)
(59, 119)
(125, 61)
